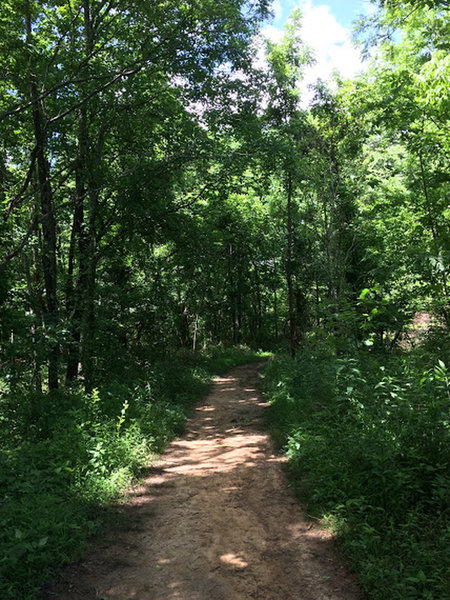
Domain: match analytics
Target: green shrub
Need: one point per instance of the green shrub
(65, 456)
(368, 444)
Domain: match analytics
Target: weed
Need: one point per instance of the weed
(64, 458)
(367, 438)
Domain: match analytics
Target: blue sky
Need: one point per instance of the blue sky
(345, 11)
(327, 29)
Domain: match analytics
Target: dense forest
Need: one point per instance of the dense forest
(169, 208)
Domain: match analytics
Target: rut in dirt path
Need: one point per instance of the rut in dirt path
(216, 520)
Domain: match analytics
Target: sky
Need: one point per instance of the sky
(327, 29)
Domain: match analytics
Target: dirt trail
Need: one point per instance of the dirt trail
(216, 520)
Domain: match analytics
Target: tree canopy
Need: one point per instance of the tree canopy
(163, 194)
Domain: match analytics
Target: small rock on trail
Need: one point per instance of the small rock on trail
(214, 520)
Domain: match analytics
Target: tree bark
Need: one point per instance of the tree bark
(3, 175)
(435, 236)
(194, 340)
(87, 199)
(77, 253)
(48, 221)
(289, 275)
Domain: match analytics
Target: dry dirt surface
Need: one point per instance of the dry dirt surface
(214, 520)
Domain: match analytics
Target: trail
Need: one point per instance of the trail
(215, 520)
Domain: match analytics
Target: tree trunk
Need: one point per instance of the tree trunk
(194, 340)
(289, 275)
(435, 236)
(88, 329)
(32, 279)
(87, 193)
(232, 294)
(275, 312)
(259, 311)
(48, 220)
(3, 175)
(77, 252)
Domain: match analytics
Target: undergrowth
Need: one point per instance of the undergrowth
(367, 438)
(66, 456)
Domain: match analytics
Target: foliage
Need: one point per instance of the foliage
(368, 443)
(62, 464)
(162, 196)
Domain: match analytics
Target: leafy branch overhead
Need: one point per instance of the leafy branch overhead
(167, 192)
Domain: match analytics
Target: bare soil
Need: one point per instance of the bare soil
(214, 520)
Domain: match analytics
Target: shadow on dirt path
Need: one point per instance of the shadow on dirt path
(214, 520)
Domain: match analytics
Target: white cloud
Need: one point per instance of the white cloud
(331, 44)
(277, 9)
(272, 33)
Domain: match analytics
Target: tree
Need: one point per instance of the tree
(95, 96)
(287, 137)
(409, 90)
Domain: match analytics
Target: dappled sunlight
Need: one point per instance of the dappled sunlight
(215, 454)
(215, 520)
(205, 409)
(278, 459)
(231, 488)
(234, 560)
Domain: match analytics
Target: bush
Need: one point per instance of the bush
(368, 444)
(65, 456)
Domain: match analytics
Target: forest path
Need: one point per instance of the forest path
(215, 520)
